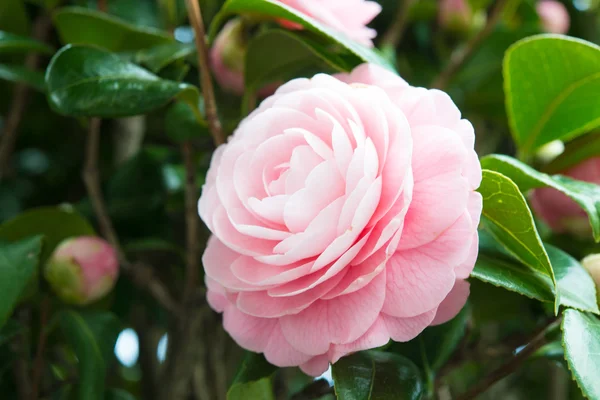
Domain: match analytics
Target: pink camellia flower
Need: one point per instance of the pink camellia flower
(554, 16)
(455, 15)
(349, 17)
(558, 210)
(343, 214)
(82, 270)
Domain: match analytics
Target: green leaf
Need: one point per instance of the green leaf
(78, 25)
(508, 218)
(575, 287)
(276, 10)
(253, 380)
(375, 375)
(86, 81)
(294, 53)
(581, 341)
(576, 151)
(10, 43)
(18, 264)
(13, 17)
(54, 223)
(181, 123)
(92, 337)
(551, 84)
(158, 57)
(587, 195)
(19, 74)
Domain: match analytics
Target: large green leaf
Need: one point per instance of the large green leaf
(54, 223)
(375, 375)
(92, 337)
(19, 74)
(158, 57)
(87, 81)
(11, 43)
(294, 53)
(508, 218)
(551, 84)
(581, 341)
(277, 10)
(78, 25)
(587, 195)
(253, 379)
(18, 264)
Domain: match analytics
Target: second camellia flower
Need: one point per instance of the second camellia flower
(343, 213)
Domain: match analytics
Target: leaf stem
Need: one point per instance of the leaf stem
(195, 16)
(142, 274)
(393, 36)
(462, 55)
(513, 364)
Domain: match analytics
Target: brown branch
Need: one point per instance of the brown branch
(142, 274)
(195, 16)
(38, 365)
(461, 56)
(20, 99)
(315, 390)
(191, 220)
(394, 34)
(511, 366)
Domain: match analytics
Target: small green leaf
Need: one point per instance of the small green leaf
(253, 380)
(77, 25)
(10, 43)
(375, 375)
(181, 123)
(54, 223)
(575, 286)
(19, 74)
(86, 81)
(551, 83)
(581, 341)
(508, 218)
(18, 264)
(277, 10)
(158, 57)
(587, 195)
(92, 337)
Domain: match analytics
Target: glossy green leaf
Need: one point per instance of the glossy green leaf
(158, 57)
(581, 341)
(92, 337)
(277, 10)
(587, 195)
(86, 81)
(508, 218)
(294, 53)
(19, 74)
(575, 286)
(54, 223)
(551, 84)
(375, 375)
(11, 43)
(181, 123)
(78, 25)
(18, 264)
(253, 379)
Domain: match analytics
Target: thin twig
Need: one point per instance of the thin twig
(141, 273)
(315, 390)
(195, 16)
(38, 365)
(511, 366)
(461, 56)
(394, 34)
(20, 99)
(191, 220)
(102, 5)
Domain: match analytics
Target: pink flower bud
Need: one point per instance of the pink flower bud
(228, 55)
(455, 15)
(82, 270)
(561, 213)
(592, 264)
(554, 16)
